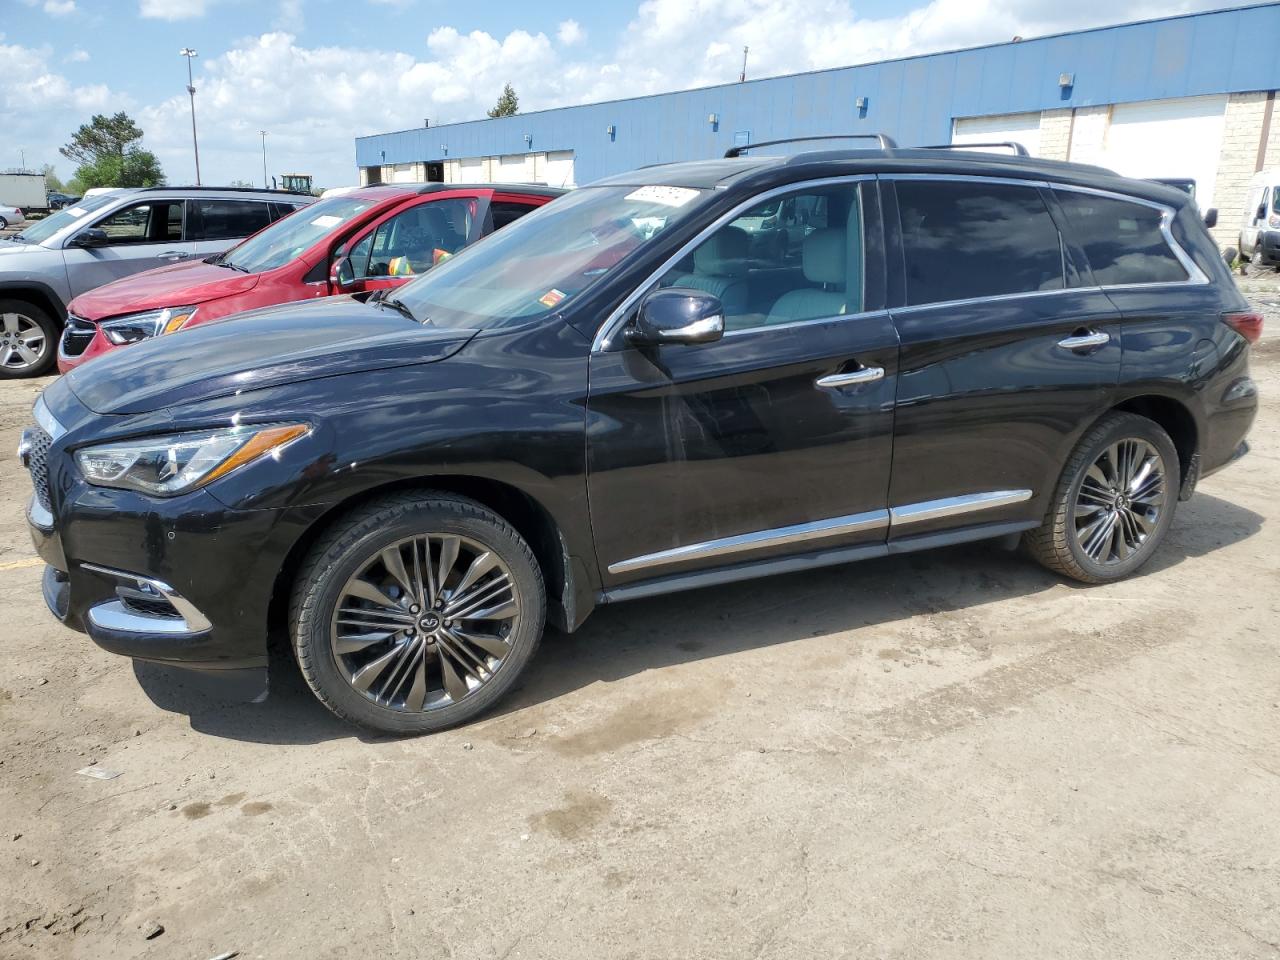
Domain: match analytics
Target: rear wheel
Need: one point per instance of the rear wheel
(28, 340)
(1113, 503)
(417, 613)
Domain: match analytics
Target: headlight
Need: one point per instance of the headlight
(166, 466)
(142, 326)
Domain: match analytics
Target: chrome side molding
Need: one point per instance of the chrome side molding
(759, 540)
(825, 529)
(954, 506)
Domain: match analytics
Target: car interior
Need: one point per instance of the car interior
(798, 259)
(418, 238)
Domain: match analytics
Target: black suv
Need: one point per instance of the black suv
(650, 384)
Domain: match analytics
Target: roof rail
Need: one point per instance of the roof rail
(292, 193)
(1018, 149)
(884, 141)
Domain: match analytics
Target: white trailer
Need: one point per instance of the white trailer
(24, 190)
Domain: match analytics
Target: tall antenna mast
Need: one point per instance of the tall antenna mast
(743, 78)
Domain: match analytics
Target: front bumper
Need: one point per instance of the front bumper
(98, 344)
(187, 582)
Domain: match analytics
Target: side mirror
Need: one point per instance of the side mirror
(1211, 217)
(1261, 212)
(341, 273)
(678, 315)
(93, 237)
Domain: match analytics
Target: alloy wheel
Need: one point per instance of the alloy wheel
(1118, 505)
(22, 341)
(425, 622)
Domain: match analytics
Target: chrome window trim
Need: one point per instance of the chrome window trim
(757, 540)
(1195, 276)
(604, 338)
(46, 421)
(821, 529)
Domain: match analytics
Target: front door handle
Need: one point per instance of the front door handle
(862, 375)
(1084, 341)
(174, 255)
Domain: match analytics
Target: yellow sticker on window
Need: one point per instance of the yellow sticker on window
(552, 297)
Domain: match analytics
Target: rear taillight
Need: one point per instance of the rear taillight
(1248, 325)
(21, 215)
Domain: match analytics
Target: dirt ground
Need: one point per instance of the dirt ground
(952, 754)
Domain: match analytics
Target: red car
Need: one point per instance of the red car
(369, 239)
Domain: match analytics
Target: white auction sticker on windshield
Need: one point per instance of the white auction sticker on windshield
(667, 196)
(77, 211)
(327, 221)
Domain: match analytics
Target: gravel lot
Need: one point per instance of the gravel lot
(950, 755)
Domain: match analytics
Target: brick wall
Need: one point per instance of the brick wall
(1055, 134)
(1238, 161)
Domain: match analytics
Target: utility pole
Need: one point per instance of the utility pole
(743, 78)
(265, 185)
(190, 54)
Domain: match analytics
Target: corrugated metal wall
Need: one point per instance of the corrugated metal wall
(914, 100)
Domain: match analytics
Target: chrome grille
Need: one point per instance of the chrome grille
(38, 463)
(77, 335)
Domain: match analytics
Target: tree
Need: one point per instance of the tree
(241, 183)
(508, 104)
(108, 151)
(51, 181)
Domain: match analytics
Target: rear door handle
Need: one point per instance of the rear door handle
(1083, 341)
(837, 380)
(172, 255)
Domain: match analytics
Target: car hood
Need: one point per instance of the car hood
(178, 285)
(14, 256)
(251, 351)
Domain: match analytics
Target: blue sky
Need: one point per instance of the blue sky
(318, 73)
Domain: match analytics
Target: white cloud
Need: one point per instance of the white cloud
(172, 9)
(314, 100)
(570, 32)
(78, 56)
(59, 8)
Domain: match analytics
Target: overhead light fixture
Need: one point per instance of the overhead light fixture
(713, 118)
(860, 103)
(444, 148)
(610, 130)
(1066, 80)
(528, 139)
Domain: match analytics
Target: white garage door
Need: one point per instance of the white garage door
(404, 173)
(559, 168)
(1168, 138)
(471, 170)
(510, 169)
(1023, 128)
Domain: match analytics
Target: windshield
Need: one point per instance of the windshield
(286, 239)
(545, 259)
(42, 230)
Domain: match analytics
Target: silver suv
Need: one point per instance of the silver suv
(106, 237)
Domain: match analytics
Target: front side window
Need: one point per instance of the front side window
(1121, 240)
(416, 239)
(156, 222)
(231, 219)
(963, 240)
(794, 258)
(545, 260)
(286, 239)
(42, 230)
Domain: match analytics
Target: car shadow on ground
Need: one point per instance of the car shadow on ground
(625, 639)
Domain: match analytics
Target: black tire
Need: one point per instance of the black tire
(1056, 542)
(358, 540)
(4, 224)
(30, 316)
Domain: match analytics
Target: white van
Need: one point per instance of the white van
(1260, 226)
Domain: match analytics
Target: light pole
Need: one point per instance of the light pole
(265, 185)
(190, 54)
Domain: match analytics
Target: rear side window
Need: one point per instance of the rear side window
(508, 211)
(231, 219)
(1121, 240)
(964, 240)
(158, 221)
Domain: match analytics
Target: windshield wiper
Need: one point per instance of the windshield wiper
(397, 305)
(230, 266)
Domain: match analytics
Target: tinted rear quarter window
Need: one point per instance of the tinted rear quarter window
(1121, 240)
(963, 240)
(231, 219)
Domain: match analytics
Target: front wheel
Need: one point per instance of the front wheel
(1113, 504)
(28, 340)
(417, 613)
